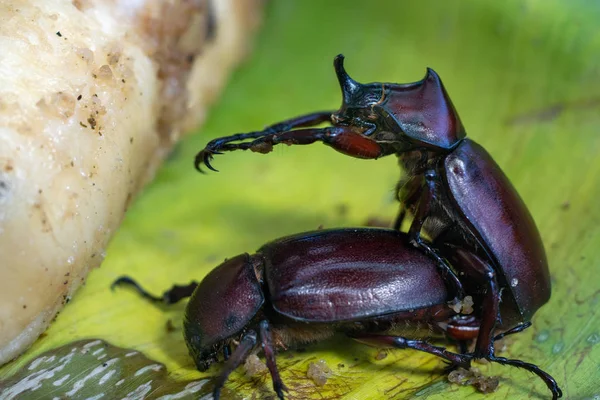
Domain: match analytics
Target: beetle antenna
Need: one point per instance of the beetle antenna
(349, 86)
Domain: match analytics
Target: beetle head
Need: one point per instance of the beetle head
(408, 116)
(221, 308)
(204, 349)
(202, 354)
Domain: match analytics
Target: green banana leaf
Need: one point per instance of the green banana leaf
(525, 78)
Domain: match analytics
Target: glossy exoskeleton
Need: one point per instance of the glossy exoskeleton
(458, 196)
(366, 283)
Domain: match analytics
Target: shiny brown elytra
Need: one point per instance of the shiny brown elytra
(455, 192)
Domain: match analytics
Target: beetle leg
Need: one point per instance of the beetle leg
(400, 218)
(516, 329)
(170, 296)
(345, 139)
(481, 272)
(461, 360)
(407, 194)
(484, 347)
(414, 233)
(226, 352)
(238, 356)
(213, 147)
(547, 378)
(463, 347)
(267, 346)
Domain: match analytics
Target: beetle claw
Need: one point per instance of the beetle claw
(204, 157)
(199, 160)
(207, 158)
(449, 367)
(280, 389)
(280, 394)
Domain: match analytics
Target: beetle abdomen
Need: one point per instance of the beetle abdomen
(331, 276)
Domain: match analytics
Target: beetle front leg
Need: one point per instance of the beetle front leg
(345, 139)
(414, 233)
(170, 296)
(236, 359)
(215, 146)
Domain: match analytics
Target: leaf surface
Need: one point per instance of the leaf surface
(525, 78)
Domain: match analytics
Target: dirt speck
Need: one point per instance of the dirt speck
(319, 372)
(462, 307)
(169, 327)
(114, 55)
(104, 73)
(262, 148)
(85, 54)
(342, 210)
(58, 105)
(473, 377)
(254, 365)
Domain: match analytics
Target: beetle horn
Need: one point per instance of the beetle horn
(349, 86)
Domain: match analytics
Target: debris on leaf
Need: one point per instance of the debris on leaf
(462, 307)
(169, 327)
(262, 148)
(501, 346)
(319, 372)
(474, 378)
(254, 365)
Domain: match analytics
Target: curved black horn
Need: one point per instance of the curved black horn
(349, 86)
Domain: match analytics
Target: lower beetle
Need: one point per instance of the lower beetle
(302, 288)
(454, 190)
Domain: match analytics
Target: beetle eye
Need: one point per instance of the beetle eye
(386, 136)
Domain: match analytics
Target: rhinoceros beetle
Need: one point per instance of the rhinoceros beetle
(367, 283)
(458, 196)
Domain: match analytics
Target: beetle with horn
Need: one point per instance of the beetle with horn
(457, 195)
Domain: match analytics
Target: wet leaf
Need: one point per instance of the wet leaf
(94, 369)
